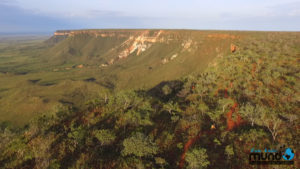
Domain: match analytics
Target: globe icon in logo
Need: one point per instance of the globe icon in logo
(288, 154)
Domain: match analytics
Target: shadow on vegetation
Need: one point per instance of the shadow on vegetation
(47, 84)
(166, 90)
(90, 79)
(34, 80)
(108, 85)
(27, 164)
(70, 158)
(3, 90)
(46, 100)
(21, 73)
(65, 102)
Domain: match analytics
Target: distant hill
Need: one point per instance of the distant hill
(140, 57)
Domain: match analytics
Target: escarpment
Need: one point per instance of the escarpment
(107, 47)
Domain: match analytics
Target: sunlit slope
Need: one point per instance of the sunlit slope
(138, 58)
(73, 67)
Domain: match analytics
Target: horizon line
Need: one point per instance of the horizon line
(179, 29)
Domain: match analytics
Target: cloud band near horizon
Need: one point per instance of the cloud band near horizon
(48, 16)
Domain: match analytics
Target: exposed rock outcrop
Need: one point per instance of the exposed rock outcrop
(174, 56)
(80, 66)
(164, 61)
(187, 44)
(140, 43)
(233, 48)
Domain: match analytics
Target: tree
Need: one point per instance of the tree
(229, 151)
(253, 136)
(273, 125)
(215, 115)
(202, 107)
(225, 103)
(251, 112)
(135, 118)
(202, 87)
(138, 114)
(105, 137)
(139, 145)
(166, 90)
(125, 100)
(197, 159)
(272, 122)
(173, 109)
(77, 136)
(160, 161)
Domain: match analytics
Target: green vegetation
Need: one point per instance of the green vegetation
(40, 77)
(197, 159)
(105, 136)
(139, 146)
(208, 119)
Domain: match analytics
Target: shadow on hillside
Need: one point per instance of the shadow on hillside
(166, 90)
(107, 84)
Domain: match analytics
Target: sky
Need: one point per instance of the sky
(17, 16)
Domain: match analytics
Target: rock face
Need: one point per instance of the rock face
(174, 56)
(138, 40)
(61, 33)
(98, 33)
(164, 61)
(140, 43)
(187, 44)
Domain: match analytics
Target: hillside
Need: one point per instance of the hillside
(129, 55)
(207, 107)
(73, 67)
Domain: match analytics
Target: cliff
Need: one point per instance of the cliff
(124, 43)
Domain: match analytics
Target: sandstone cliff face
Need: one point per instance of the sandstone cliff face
(139, 43)
(138, 40)
(61, 33)
(98, 33)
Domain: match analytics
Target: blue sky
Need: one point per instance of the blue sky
(50, 15)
